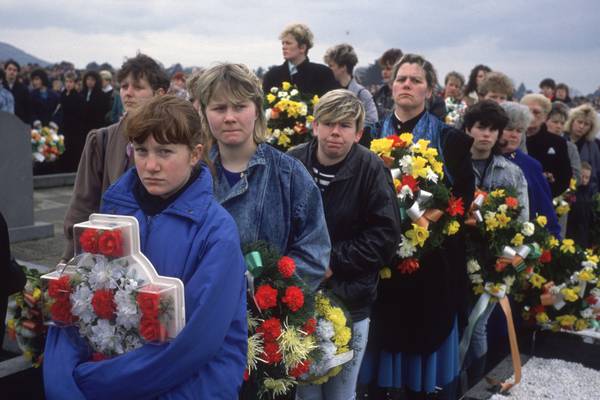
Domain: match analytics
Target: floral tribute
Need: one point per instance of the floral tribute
(428, 210)
(562, 203)
(46, 143)
(333, 332)
(111, 292)
(281, 323)
(289, 116)
(25, 322)
(455, 111)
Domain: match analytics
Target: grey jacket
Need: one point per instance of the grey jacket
(501, 173)
(366, 98)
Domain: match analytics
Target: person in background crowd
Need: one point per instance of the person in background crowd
(178, 87)
(109, 93)
(555, 124)
(581, 128)
(191, 84)
(383, 98)
(496, 87)
(455, 106)
(57, 86)
(106, 154)
(422, 354)
(71, 104)
(42, 102)
(476, 76)
(19, 91)
(310, 78)
(580, 215)
(7, 101)
(550, 150)
(538, 189)
(170, 194)
(362, 217)
(562, 94)
(95, 102)
(547, 88)
(342, 59)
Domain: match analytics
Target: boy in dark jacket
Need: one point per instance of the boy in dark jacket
(580, 216)
(362, 218)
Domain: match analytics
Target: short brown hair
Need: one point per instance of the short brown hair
(497, 82)
(142, 66)
(430, 74)
(170, 120)
(390, 57)
(343, 55)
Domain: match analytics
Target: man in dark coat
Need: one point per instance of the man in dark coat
(18, 90)
(311, 78)
(362, 217)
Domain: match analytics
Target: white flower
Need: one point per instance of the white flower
(105, 339)
(405, 248)
(303, 109)
(589, 265)
(325, 329)
(528, 229)
(293, 92)
(406, 163)
(274, 89)
(328, 349)
(104, 275)
(432, 176)
(476, 278)
(127, 312)
(595, 292)
(276, 133)
(587, 313)
(502, 208)
(268, 114)
(405, 191)
(81, 303)
(282, 94)
(473, 266)
(508, 281)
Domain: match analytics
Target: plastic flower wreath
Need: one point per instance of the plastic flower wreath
(428, 210)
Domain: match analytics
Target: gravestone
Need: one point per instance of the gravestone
(16, 181)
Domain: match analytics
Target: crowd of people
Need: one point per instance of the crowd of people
(187, 156)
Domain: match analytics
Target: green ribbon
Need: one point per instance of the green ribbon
(254, 263)
(595, 324)
(403, 214)
(536, 251)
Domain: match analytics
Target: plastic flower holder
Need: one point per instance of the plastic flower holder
(111, 291)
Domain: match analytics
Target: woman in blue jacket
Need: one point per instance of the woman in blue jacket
(186, 234)
(270, 195)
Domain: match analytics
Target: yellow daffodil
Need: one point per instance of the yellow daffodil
(518, 239)
(284, 141)
(406, 137)
(37, 293)
(497, 193)
(503, 220)
(382, 147)
(572, 184)
(586, 275)
(566, 321)
(541, 220)
(417, 235)
(537, 280)
(385, 273)
(591, 257)
(419, 167)
(271, 98)
(286, 86)
(581, 324)
(553, 242)
(437, 167)
(315, 100)
(310, 118)
(451, 228)
(421, 146)
(562, 209)
(569, 294)
(478, 289)
(542, 318)
(491, 223)
(568, 246)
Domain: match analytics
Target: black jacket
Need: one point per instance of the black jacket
(21, 95)
(311, 78)
(363, 222)
(94, 110)
(551, 151)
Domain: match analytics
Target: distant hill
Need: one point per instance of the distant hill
(8, 51)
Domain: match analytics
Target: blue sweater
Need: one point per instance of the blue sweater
(195, 240)
(540, 196)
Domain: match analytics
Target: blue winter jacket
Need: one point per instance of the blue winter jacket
(193, 239)
(276, 200)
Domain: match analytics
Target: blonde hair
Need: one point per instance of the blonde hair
(538, 99)
(238, 84)
(340, 105)
(587, 113)
(301, 33)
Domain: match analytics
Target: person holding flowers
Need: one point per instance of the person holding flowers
(362, 219)
(270, 195)
(414, 330)
(186, 234)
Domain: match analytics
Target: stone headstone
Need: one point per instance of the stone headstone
(16, 181)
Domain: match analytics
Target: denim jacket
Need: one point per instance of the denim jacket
(277, 201)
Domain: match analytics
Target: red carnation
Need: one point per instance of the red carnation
(89, 240)
(546, 257)
(151, 329)
(408, 180)
(455, 206)
(294, 298)
(271, 353)
(286, 266)
(110, 243)
(500, 266)
(246, 374)
(408, 265)
(96, 356)
(60, 311)
(591, 300)
(512, 202)
(266, 297)
(538, 309)
(149, 304)
(103, 303)
(60, 288)
(300, 369)
(270, 329)
(310, 326)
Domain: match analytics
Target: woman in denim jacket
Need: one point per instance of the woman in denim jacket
(270, 195)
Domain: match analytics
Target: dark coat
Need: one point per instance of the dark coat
(363, 221)
(72, 127)
(21, 95)
(42, 106)
(551, 151)
(311, 78)
(94, 110)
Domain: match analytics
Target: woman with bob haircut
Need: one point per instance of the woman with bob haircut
(270, 195)
(476, 76)
(581, 128)
(186, 234)
(422, 354)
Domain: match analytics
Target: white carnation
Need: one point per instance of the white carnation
(105, 339)
(473, 266)
(127, 312)
(405, 248)
(325, 329)
(502, 208)
(432, 176)
(476, 278)
(528, 229)
(405, 191)
(104, 275)
(81, 304)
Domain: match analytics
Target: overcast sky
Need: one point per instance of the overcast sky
(528, 40)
